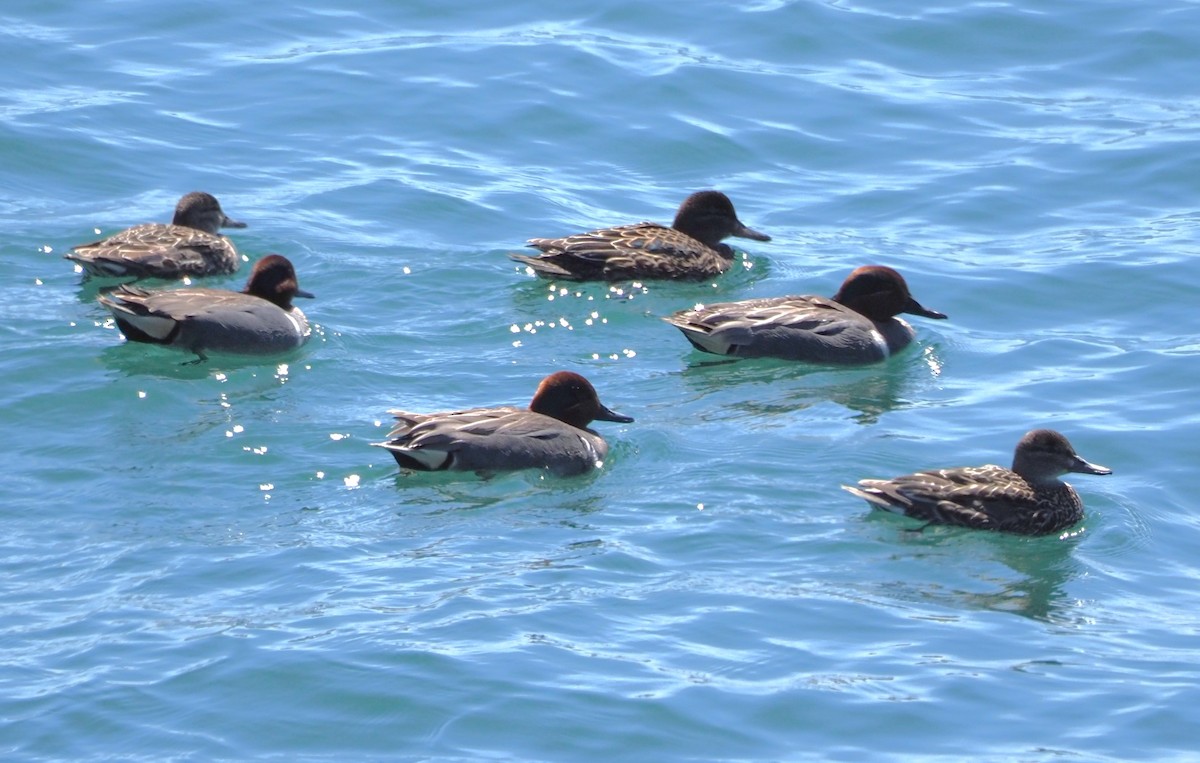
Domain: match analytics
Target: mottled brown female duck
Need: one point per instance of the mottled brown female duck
(1028, 499)
(690, 249)
(189, 246)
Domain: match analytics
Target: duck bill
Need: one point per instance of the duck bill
(229, 223)
(1084, 467)
(606, 414)
(305, 294)
(745, 232)
(915, 308)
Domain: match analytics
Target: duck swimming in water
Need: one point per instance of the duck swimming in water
(857, 325)
(690, 249)
(189, 246)
(1028, 499)
(552, 433)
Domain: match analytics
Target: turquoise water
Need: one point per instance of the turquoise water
(208, 562)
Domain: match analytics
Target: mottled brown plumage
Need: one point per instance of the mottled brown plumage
(690, 249)
(1028, 499)
(189, 246)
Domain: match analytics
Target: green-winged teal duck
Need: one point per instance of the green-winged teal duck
(857, 325)
(1028, 499)
(189, 246)
(259, 320)
(690, 249)
(550, 434)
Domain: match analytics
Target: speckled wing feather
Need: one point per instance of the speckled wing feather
(157, 251)
(643, 250)
(983, 497)
(963, 496)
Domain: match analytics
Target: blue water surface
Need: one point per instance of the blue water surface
(208, 562)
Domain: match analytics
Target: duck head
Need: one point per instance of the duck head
(709, 217)
(202, 211)
(274, 279)
(880, 293)
(572, 399)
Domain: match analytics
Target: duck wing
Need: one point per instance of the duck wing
(809, 328)
(157, 251)
(490, 439)
(205, 319)
(984, 497)
(642, 250)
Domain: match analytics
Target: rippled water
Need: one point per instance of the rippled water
(208, 562)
